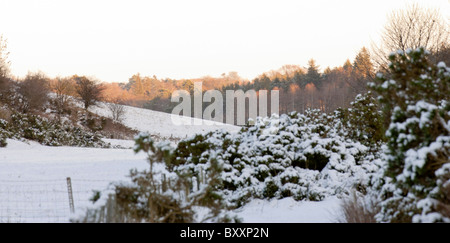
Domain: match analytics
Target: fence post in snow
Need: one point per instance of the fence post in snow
(69, 191)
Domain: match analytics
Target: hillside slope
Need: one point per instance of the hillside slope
(155, 122)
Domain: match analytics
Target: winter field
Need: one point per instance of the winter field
(33, 178)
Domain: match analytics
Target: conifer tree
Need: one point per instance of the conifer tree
(313, 75)
(417, 169)
(362, 65)
(137, 86)
(362, 72)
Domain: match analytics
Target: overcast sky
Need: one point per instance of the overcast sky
(112, 40)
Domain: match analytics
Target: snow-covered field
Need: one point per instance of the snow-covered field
(155, 122)
(33, 178)
(33, 185)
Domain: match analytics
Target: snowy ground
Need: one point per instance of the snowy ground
(287, 210)
(33, 185)
(155, 122)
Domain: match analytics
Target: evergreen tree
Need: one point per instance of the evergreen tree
(276, 83)
(188, 85)
(313, 75)
(327, 71)
(362, 65)
(364, 121)
(265, 82)
(362, 72)
(417, 170)
(136, 84)
(348, 67)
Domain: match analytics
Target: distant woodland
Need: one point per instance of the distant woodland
(300, 87)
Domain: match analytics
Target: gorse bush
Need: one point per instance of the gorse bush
(160, 196)
(306, 157)
(417, 166)
(3, 142)
(300, 156)
(4, 133)
(363, 121)
(46, 132)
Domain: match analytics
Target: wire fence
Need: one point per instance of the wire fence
(44, 201)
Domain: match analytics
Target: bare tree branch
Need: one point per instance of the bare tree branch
(411, 28)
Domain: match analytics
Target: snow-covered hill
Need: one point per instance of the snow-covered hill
(160, 123)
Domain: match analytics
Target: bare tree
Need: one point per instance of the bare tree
(34, 90)
(4, 70)
(411, 28)
(90, 91)
(64, 90)
(117, 110)
(4, 62)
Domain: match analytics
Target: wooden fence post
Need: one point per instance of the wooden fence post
(70, 192)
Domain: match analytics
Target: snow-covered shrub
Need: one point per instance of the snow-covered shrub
(306, 157)
(295, 155)
(51, 133)
(417, 164)
(3, 142)
(3, 136)
(160, 196)
(4, 133)
(364, 121)
(93, 123)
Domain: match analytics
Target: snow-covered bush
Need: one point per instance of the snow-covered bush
(417, 166)
(306, 157)
(47, 132)
(159, 196)
(302, 156)
(3, 142)
(363, 121)
(4, 133)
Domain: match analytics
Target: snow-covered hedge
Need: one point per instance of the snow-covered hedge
(46, 132)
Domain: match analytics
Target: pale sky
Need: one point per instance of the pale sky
(112, 40)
